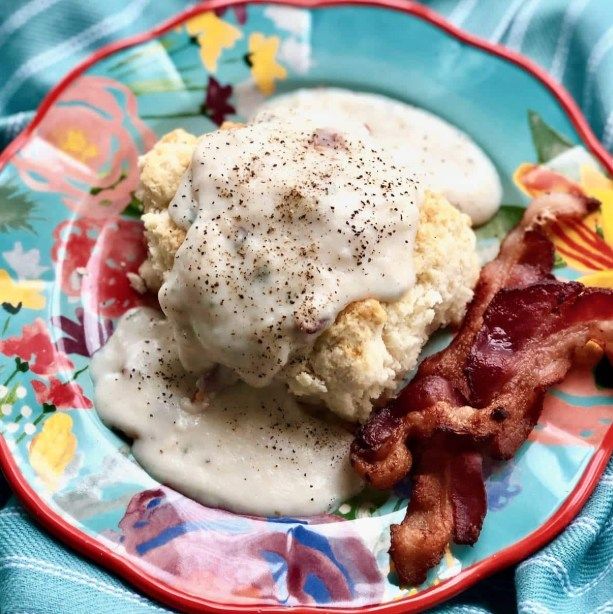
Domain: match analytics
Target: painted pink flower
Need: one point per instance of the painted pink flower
(95, 258)
(239, 559)
(64, 395)
(87, 146)
(36, 347)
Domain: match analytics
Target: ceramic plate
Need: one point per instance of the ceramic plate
(69, 233)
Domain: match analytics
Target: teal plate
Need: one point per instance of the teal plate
(69, 233)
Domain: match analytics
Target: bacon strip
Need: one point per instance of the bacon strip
(447, 500)
(418, 544)
(482, 394)
(526, 256)
(468, 497)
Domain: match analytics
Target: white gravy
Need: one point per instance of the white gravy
(288, 220)
(250, 450)
(448, 160)
(286, 225)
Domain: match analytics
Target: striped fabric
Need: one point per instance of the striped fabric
(572, 39)
(40, 40)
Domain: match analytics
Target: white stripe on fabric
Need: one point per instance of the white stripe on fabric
(605, 608)
(608, 478)
(532, 607)
(505, 21)
(461, 12)
(521, 24)
(598, 53)
(5, 514)
(559, 570)
(571, 17)
(607, 527)
(40, 565)
(68, 572)
(73, 45)
(587, 523)
(22, 16)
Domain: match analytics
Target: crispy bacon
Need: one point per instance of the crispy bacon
(526, 256)
(468, 497)
(447, 498)
(483, 394)
(415, 545)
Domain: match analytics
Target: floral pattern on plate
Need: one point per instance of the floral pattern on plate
(69, 234)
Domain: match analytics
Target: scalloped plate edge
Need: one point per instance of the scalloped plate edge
(167, 594)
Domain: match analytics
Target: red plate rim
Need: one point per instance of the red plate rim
(166, 593)
(404, 6)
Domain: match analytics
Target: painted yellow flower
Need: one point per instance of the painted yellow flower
(586, 245)
(52, 449)
(75, 143)
(262, 58)
(27, 292)
(213, 35)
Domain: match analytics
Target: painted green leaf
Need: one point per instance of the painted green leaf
(12, 309)
(16, 209)
(134, 208)
(11, 395)
(368, 499)
(498, 227)
(559, 262)
(21, 365)
(547, 142)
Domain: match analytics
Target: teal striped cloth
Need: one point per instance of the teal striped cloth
(40, 40)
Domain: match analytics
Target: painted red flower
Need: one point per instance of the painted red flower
(216, 105)
(87, 146)
(240, 12)
(64, 395)
(36, 347)
(95, 258)
(73, 243)
(80, 335)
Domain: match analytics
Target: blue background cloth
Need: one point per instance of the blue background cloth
(40, 40)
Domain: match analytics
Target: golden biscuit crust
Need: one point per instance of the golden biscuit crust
(162, 167)
(366, 352)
